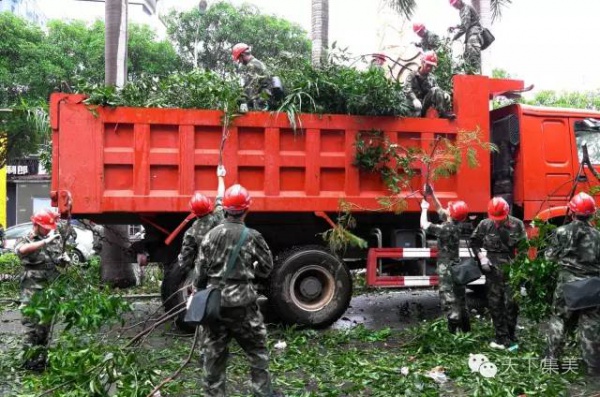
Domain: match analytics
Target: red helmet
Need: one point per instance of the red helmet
(453, 2)
(418, 27)
(458, 210)
(582, 204)
(430, 58)
(200, 204)
(238, 50)
(45, 219)
(498, 209)
(236, 199)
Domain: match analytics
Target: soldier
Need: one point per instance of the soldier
(39, 252)
(422, 91)
(255, 78)
(576, 248)
(452, 296)
(470, 26)
(500, 235)
(429, 40)
(240, 316)
(206, 219)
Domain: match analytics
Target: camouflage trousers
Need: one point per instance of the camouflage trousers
(36, 334)
(501, 303)
(472, 53)
(438, 99)
(245, 324)
(452, 296)
(564, 321)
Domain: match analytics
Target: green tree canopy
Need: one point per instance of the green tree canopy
(205, 40)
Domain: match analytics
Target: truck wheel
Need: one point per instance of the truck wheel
(310, 286)
(174, 280)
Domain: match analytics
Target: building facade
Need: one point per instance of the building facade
(26, 9)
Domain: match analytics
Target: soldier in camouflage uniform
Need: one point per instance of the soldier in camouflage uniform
(256, 79)
(452, 295)
(240, 316)
(429, 40)
(470, 26)
(499, 235)
(576, 248)
(40, 252)
(207, 218)
(422, 91)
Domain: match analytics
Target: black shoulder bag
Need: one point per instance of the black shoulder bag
(205, 307)
(467, 270)
(582, 294)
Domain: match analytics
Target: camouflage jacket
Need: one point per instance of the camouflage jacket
(448, 240)
(254, 261)
(255, 78)
(500, 242)
(430, 41)
(44, 259)
(194, 235)
(469, 22)
(417, 86)
(576, 248)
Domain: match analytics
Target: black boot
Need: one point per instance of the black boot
(465, 324)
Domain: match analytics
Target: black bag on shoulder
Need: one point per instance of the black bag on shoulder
(487, 38)
(582, 294)
(467, 270)
(205, 307)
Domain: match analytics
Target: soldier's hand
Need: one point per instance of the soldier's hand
(417, 104)
(486, 265)
(221, 172)
(424, 205)
(50, 238)
(451, 29)
(244, 108)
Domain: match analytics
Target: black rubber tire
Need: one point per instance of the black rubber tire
(310, 264)
(174, 279)
(80, 261)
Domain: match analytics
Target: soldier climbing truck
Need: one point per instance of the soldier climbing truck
(142, 166)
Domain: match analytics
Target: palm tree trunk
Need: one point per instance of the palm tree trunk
(115, 49)
(319, 31)
(483, 7)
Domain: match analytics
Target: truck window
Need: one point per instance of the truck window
(588, 132)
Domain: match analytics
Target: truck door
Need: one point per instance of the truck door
(587, 132)
(557, 157)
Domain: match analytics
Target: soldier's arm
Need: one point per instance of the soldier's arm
(518, 235)
(263, 258)
(202, 265)
(189, 249)
(554, 248)
(25, 247)
(477, 239)
(410, 87)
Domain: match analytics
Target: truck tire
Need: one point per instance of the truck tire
(310, 287)
(175, 279)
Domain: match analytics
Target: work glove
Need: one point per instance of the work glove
(424, 205)
(244, 108)
(486, 265)
(221, 172)
(523, 291)
(451, 29)
(417, 104)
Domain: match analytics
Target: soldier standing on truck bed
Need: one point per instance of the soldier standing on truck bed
(240, 317)
(470, 26)
(206, 219)
(429, 40)
(422, 90)
(256, 79)
(576, 248)
(499, 235)
(452, 295)
(40, 253)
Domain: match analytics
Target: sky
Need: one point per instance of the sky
(546, 43)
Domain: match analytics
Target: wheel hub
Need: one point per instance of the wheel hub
(311, 287)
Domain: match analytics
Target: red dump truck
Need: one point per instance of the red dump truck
(133, 165)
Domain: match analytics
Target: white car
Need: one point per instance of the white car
(84, 242)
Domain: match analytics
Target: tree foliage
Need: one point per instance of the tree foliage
(211, 35)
